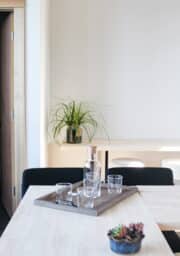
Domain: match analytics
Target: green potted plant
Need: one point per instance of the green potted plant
(76, 117)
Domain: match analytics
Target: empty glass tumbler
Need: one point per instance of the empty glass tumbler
(63, 192)
(115, 183)
(92, 185)
(83, 201)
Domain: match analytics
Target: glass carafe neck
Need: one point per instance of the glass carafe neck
(92, 153)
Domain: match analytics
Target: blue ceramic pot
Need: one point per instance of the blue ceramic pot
(123, 247)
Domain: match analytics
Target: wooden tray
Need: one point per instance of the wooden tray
(102, 203)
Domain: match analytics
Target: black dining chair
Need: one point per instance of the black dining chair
(50, 176)
(133, 176)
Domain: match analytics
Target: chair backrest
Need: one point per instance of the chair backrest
(143, 176)
(50, 176)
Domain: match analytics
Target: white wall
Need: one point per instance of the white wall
(45, 78)
(37, 78)
(33, 81)
(124, 56)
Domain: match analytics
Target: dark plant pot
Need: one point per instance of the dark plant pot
(123, 247)
(74, 135)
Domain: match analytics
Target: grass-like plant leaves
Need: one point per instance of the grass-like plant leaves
(75, 114)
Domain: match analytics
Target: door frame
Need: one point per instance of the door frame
(7, 122)
(18, 101)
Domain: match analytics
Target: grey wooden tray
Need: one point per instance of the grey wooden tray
(102, 203)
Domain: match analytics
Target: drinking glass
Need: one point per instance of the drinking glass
(82, 201)
(63, 192)
(92, 185)
(115, 183)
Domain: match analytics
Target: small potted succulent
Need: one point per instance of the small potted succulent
(126, 239)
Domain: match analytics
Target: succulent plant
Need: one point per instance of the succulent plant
(131, 233)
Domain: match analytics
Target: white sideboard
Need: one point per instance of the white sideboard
(150, 152)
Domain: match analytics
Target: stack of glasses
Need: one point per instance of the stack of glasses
(85, 196)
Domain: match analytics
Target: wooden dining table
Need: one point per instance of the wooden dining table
(40, 231)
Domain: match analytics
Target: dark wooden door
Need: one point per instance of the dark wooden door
(6, 121)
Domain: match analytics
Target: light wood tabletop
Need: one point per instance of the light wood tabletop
(163, 203)
(39, 231)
